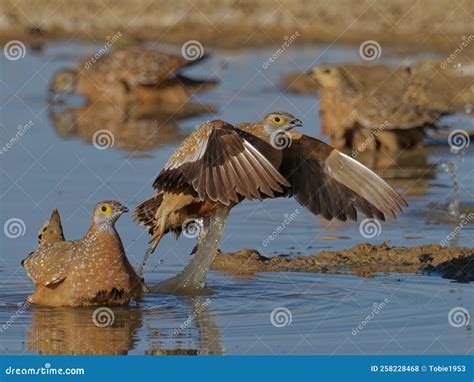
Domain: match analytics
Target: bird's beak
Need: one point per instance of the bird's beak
(311, 74)
(296, 123)
(124, 209)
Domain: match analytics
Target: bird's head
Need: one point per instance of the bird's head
(64, 82)
(327, 76)
(107, 212)
(280, 121)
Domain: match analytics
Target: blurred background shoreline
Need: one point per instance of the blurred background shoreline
(439, 25)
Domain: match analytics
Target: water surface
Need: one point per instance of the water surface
(54, 164)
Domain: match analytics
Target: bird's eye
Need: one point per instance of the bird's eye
(327, 71)
(106, 210)
(278, 120)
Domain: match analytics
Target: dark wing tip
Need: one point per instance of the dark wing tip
(195, 61)
(23, 262)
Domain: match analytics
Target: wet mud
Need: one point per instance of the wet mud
(363, 260)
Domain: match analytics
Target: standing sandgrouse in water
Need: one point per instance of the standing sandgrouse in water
(91, 271)
(219, 165)
(131, 75)
(353, 117)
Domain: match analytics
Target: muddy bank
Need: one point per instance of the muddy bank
(363, 260)
(436, 24)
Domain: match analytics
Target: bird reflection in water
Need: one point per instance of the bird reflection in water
(199, 322)
(138, 127)
(409, 171)
(114, 331)
(77, 331)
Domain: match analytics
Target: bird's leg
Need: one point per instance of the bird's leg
(145, 258)
(191, 280)
(160, 231)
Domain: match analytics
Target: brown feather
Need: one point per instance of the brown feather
(221, 165)
(335, 185)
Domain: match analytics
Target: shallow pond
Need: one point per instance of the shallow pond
(55, 165)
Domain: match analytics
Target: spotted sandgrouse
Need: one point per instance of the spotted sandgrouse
(91, 271)
(353, 117)
(131, 75)
(220, 165)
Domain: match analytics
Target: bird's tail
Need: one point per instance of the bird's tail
(51, 232)
(196, 86)
(196, 60)
(145, 214)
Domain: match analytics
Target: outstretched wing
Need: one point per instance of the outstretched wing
(50, 266)
(335, 185)
(220, 164)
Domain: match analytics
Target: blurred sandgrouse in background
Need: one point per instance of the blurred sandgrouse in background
(219, 165)
(91, 271)
(135, 74)
(353, 117)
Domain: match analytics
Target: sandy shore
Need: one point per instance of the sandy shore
(432, 24)
(363, 260)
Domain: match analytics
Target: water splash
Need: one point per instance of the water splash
(454, 210)
(453, 207)
(192, 279)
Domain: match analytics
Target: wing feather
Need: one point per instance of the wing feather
(335, 185)
(50, 266)
(220, 164)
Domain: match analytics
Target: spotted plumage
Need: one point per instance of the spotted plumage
(208, 172)
(131, 74)
(93, 270)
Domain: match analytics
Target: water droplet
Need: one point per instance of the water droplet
(468, 108)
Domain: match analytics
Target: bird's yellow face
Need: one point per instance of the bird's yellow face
(105, 209)
(279, 121)
(108, 212)
(327, 76)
